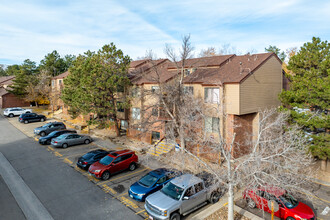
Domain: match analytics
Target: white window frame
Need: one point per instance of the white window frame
(212, 95)
(211, 124)
(136, 113)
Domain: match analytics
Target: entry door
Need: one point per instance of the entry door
(155, 136)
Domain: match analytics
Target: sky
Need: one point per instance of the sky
(30, 29)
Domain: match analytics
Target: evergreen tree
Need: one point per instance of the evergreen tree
(53, 64)
(310, 88)
(27, 73)
(2, 70)
(12, 70)
(277, 51)
(93, 83)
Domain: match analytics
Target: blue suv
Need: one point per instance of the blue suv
(151, 182)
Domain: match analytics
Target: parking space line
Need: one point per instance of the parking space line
(143, 210)
(50, 148)
(58, 154)
(128, 202)
(108, 189)
(116, 197)
(324, 200)
(123, 176)
(66, 160)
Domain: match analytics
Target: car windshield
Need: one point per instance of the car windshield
(62, 136)
(106, 160)
(87, 156)
(289, 201)
(172, 191)
(148, 180)
(46, 125)
(51, 134)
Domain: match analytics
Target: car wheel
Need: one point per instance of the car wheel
(42, 134)
(27, 112)
(132, 166)
(251, 203)
(105, 175)
(11, 115)
(48, 142)
(87, 141)
(65, 145)
(42, 119)
(175, 216)
(215, 196)
(26, 121)
(290, 218)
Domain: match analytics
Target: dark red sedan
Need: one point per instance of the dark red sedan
(113, 163)
(288, 207)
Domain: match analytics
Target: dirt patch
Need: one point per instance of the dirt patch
(222, 214)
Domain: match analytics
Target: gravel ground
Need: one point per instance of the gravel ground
(221, 214)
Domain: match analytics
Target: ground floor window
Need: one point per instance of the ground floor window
(211, 124)
(155, 136)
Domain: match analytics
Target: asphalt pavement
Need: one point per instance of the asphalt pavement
(62, 191)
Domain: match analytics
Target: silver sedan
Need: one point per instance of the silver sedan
(66, 140)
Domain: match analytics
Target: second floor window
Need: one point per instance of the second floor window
(154, 89)
(136, 113)
(136, 92)
(53, 83)
(188, 90)
(60, 82)
(211, 124)
(211, 95)
(120, 107)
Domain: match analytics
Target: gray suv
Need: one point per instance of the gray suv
(49, 127)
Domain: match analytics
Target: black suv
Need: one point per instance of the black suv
(47, 139)
(49, 127)
(31, 117)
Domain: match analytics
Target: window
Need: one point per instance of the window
(189, 192)
(211, 124)
(187, 72)
(154, 112)
(154, 89)
(161, 180)
(53, 83)
(188, 90)
(136, 92)
(60, 82)
(120, 107)
(199, 187)
(136, 113)
(211, 95)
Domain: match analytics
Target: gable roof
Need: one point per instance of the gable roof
(3, 91)
(62, 75)
(6, 80)
(235, 70)
(212, 61)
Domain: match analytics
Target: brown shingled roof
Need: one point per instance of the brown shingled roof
(136, 63)
(234, 70)
(3, 91)
(62, 75)
(203, 61)
(6, 80)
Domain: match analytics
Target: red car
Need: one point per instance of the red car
(113, 163)
(289, 207)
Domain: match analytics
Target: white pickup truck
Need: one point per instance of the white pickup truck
(11, 112)
(181, 196)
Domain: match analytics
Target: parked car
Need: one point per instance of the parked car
(31, 117)
(47, 139)
(151, 182)
(49, 127)
(181, 196)
(11, 112)
(289, 207)
(91, 157)
(66, 140)
(113, 163)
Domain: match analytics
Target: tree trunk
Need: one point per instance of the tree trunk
(117, 128)
(230, 202)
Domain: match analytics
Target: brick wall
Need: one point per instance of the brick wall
(10, 100)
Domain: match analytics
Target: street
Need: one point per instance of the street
(64, 192)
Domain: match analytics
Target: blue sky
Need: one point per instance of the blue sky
(30, 29)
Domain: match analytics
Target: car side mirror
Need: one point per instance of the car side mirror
(185, 198)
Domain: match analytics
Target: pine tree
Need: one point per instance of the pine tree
(310, 88)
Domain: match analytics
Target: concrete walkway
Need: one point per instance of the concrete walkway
(31, 206)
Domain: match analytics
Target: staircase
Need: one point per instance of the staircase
(161, 147)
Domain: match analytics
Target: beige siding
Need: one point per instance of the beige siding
(232, 98)
(260, 90)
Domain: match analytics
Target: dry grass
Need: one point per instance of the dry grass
(221, 214)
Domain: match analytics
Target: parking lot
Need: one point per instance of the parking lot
(117, 185)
